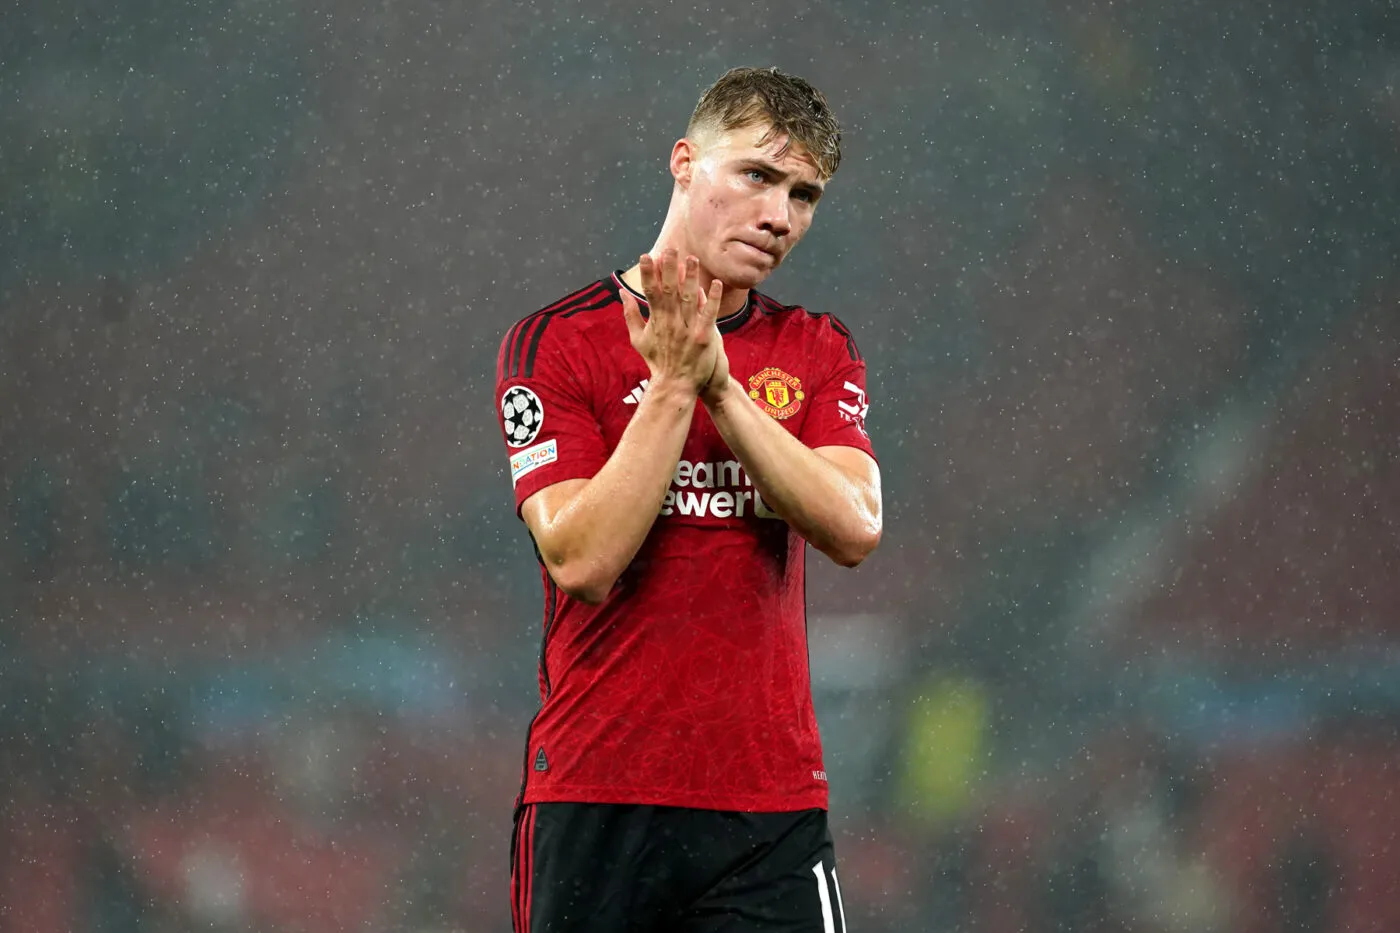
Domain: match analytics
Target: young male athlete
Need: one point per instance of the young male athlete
(676, 440)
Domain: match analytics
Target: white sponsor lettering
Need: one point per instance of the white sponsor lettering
(702, 476)
(531, 459)
(735, 498)
(688, 503)
(856, 411)
(858, 408)
(726, 474)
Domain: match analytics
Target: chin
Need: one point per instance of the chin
(745, 276)
(745, 280)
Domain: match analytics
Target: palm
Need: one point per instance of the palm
(678, 339)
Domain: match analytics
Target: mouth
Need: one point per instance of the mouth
(768, 254)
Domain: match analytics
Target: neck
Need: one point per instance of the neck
(731, 301)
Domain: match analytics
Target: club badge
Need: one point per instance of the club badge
(776, 392)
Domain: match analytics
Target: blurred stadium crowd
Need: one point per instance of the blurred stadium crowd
(1128, 659)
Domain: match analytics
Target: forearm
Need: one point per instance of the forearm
(838, 515)
(592, 538)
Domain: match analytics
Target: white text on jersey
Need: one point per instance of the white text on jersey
(855, 412)
(723, 476)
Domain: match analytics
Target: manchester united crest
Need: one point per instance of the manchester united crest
(777, 393)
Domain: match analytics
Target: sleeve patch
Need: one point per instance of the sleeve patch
(522, 415)
(531, 459)
(854, 411)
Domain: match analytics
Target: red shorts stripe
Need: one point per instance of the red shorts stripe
(520, 875)
(529, 867)
(514, 879)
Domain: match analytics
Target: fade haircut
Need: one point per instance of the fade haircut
(792, 107)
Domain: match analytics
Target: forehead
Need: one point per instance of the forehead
(746, 142)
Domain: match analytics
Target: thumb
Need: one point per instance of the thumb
(710, 303)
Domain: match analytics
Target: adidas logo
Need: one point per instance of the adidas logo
(541, 762)
(635, 396)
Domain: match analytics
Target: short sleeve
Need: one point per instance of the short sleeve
(544, 409)
(838, 405)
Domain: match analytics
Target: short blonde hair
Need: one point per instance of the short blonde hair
(789, 105)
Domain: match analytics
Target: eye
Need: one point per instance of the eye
(757, 176)
(803, 195)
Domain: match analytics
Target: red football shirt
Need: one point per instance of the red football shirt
(689, 685)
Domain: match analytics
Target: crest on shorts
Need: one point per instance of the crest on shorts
(776, 392)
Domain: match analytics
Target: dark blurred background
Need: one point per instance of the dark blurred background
(1125, 276)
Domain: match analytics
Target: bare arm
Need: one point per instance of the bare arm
(830, 496)
(588, 530)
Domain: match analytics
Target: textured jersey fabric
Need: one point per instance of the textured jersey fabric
(689, 685)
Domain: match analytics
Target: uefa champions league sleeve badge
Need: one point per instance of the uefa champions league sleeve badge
(522, 415)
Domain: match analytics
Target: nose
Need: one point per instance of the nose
(775, 218)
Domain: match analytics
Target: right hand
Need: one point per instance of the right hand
(678, 338)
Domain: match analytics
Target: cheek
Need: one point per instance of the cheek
(714, 213)
(721, 201)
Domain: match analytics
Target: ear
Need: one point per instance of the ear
(683, 157)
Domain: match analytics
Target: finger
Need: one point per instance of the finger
(648, 270)
(689, 273)
(690, 299)
(709, 313)
(668, 272)
(632, 314)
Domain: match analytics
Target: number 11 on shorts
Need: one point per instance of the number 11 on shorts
(823, 892)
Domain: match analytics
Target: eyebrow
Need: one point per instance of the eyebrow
(812, 188)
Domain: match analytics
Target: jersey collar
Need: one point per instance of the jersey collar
(726, 324)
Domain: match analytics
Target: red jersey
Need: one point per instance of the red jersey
(688, 686)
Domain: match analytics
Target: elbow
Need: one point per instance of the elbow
(860, 531)
(592, 595)
(582, 582)
(855, 549)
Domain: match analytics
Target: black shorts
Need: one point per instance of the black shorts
(610, 868)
